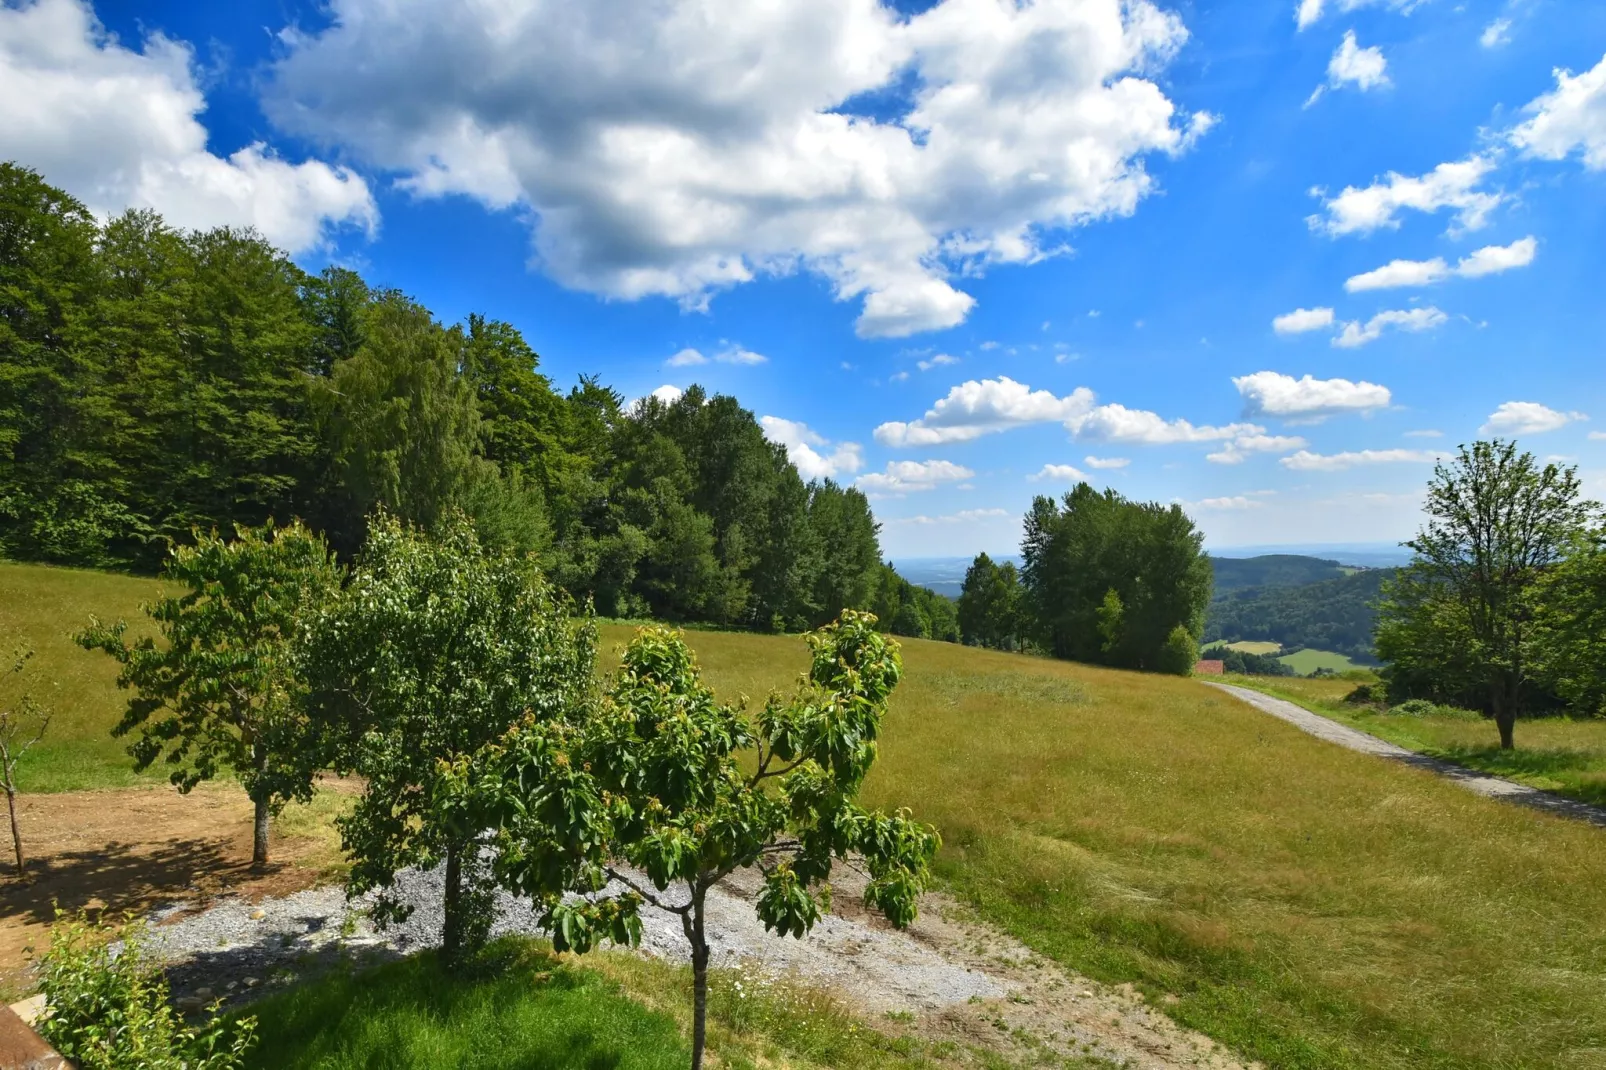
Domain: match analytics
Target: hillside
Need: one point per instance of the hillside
(1273, 570)
(1334, 614)
(1148, 829)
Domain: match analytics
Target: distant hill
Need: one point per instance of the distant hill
(1273, 570)
(945, 575)
(1332, 614)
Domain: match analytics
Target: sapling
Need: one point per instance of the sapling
(22, 724)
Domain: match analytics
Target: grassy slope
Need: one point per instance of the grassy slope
(1308, 661)
(1310, 906)
(1307, 905)
(1553, 753)
(39, 608)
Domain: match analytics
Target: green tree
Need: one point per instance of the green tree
(1497, 522)
(222, 691)
(850, 550)
(436, 648)
(990, 604)
(23, 722)
(1570, 626)
(687, 790)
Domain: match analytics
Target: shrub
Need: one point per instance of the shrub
(1414, 707)
(109, 1007)
(1364, 695)
(1179, 653)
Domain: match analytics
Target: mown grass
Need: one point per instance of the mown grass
(1254, 646)
(1308, 661)
(1309, 906)
(1558, 754)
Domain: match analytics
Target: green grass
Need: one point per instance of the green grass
(1255, 646)
(40, 608)
(1556, 754)
(1306, 662)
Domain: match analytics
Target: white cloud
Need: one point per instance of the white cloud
(1309, 11)
(1570, 117)
(964, 516)
(680, 149)
(902, 477)
(1106, 462)
(1303, 319)
(1275, 394)
(1306, 461)
(1496, 33)
(1450, 185)
(1414, 320)
(1238, 450)
(936, 362)
(978, 407)
(117, 128)
(1237, 501)
(731, 354)
(1597, 436)
(899, 377)
(1363, 68)
(686, 358)
(810, 452)
(1490, 260)
(1058, 473)
(668, 394)
(1424, 433)
(1527, 418)
(1117, 423)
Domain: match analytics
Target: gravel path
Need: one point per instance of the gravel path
(1482, 783)
(948, 976)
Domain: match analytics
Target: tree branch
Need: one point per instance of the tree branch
(614, 874)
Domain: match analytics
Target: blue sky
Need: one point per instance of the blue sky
(1267, 259)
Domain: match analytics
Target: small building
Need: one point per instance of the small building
(1209, 667)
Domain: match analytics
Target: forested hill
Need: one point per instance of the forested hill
(155, 381)
(1333, 614)
(1272, 570)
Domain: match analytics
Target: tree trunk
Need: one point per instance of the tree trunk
(452, 906)
(699, 981)
(16, 833)
(259, 828)
(1505, 717)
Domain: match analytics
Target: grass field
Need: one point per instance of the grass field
(1556, 754)
(1255, 646)
(1306, 662)
(1306, 905)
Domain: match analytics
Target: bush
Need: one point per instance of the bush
(108, 1007)
(1364, 695)
(1421, 707)
(1179, 653)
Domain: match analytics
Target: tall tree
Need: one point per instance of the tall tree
(989, 604)
(1570, 626)
(850, 552)
(222, 691)
(1496, 522)
(435, 649)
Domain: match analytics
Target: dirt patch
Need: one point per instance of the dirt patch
(135, 849)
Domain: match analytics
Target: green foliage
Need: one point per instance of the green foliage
(1179, 654)
(1332, 614)
(1569, 639)
(221, 691)
(1272, 570)
(1458, 622)
(436, 648)
(990, 605)
(109, 1007)
(687, 790)
(1242, 661)
(1109, 581)
(23, 723)
(914, 611)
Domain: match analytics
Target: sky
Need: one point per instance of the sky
(1269, 260)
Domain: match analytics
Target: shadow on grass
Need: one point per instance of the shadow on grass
(518, 1009)
(1559, 766)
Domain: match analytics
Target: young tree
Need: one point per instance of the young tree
(22, 724)
(1496, 523)
(436, 648)
(221, 692)
(687, 790)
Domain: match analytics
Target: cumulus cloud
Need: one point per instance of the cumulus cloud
(1414, 320)
(668, 394)
(1276, 394)
(1117, 423)
(978, 407)
(730, 354)
(1527, 418)
(1490, 260)
(812, 454)
(1306, 461)
(1362, 210)
(1496, 33)
(1058, 473)
(1363, 68)
(117, 128)
(1303, 319)
(902, 477)
(1570, 118)
(964, 516)
(681, 148)
(937, 361)
(1106, 462)
(1238, 450)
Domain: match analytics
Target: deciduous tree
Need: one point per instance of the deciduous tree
(23, 722)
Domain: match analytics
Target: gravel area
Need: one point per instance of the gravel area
(1481, 783)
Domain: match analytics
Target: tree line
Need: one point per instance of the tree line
(156, 383)
(1332, 614)
(1104, 580)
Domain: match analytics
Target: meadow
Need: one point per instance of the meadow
(1308, 906)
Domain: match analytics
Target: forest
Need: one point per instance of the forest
(157, 383)
(1331, 614)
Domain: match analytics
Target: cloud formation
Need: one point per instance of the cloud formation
(1489, 260)
(1238, 450)
(1058, 473)
(1571, 118)
(964, 516)
(1362, 210)
(117, 128)
(1106, 463)
(979, 407)
(680, 149)
(938, 361)
(1363, 68)
(1527, 418)
(1413, 320)
(1306, 461)
(903, 477)
(1276, 394)
(730, 354)
(1307, 12)
(1303, 319)
(810, 452)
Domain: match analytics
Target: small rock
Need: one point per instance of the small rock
(258, 915)
(31, 1009)
(251, 982)
(203, 992)
(189, 1004)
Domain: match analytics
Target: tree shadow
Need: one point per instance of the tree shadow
(1552, 764)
